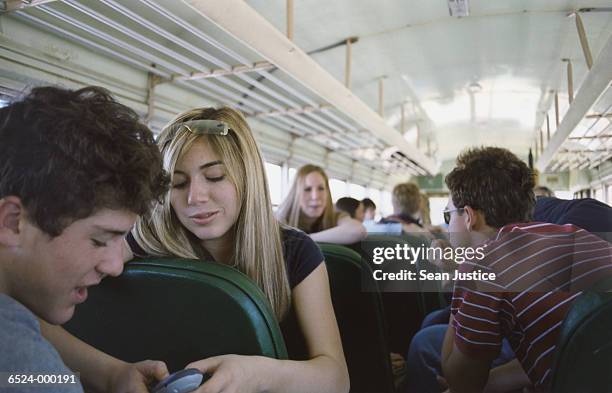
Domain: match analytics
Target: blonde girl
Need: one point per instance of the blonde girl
(218, 208)
(308, 206)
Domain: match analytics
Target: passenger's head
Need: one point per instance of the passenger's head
(424, 209)
(489, 187)
(309, 201)
(543, 191)
(219, 205)
(406, 199)
(76, 168)
(369, 208)
(352, 206)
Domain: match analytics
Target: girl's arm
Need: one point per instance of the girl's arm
(324, 372)
(348, 231)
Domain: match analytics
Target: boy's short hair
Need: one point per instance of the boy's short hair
(347, 205)
(67, 154)
(543, 191)
(368, 204)
(494, 181)
(406, 197)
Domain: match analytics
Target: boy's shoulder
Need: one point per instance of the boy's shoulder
(16, 318)
(24, 349)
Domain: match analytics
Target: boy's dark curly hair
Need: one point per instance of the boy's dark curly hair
(494, 181)
(67, 154)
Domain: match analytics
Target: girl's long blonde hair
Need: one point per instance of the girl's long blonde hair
(258, 249)
(290, 212)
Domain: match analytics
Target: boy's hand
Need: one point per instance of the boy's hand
(137, 377)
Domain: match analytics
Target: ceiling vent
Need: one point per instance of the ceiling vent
(458, 8)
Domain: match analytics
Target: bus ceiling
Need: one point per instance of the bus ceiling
(383, 92)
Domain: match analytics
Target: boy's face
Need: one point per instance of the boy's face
(458, 231)
(51, 275)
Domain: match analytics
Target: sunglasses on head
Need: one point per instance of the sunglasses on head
(201, 127)
(197, 127)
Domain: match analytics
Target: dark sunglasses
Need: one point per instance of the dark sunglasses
(447, 214)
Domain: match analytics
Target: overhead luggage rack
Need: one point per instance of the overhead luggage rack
(590, 143)
(176, 45)
(583, 139)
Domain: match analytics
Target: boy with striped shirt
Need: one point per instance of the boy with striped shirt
(540, 269)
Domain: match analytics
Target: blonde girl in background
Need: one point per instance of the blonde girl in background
(308, 206)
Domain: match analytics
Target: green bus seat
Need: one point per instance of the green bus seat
(360, 320)
(178, 311)
(583, 357)
(432, 296)
(402, 300)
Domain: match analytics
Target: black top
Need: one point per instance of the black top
(300, 252)
(586, 213)
(401, 218)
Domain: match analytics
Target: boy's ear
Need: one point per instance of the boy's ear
(11, 212)
(476, 220)
(472, 217)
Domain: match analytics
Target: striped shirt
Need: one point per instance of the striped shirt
(540, 270)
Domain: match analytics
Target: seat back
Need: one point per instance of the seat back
(432, 296)
(583, 358)
(402, 300)
(360, 320)
(178, 311)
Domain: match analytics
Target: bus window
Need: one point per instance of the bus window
(386, 207)
(598, 194)
(292, 171)
(356, 191)
(338, 188)
(436, 207)
(273, 173)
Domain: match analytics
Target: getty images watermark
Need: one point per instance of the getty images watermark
(404, 253)
(506, 263)
(412, 264)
